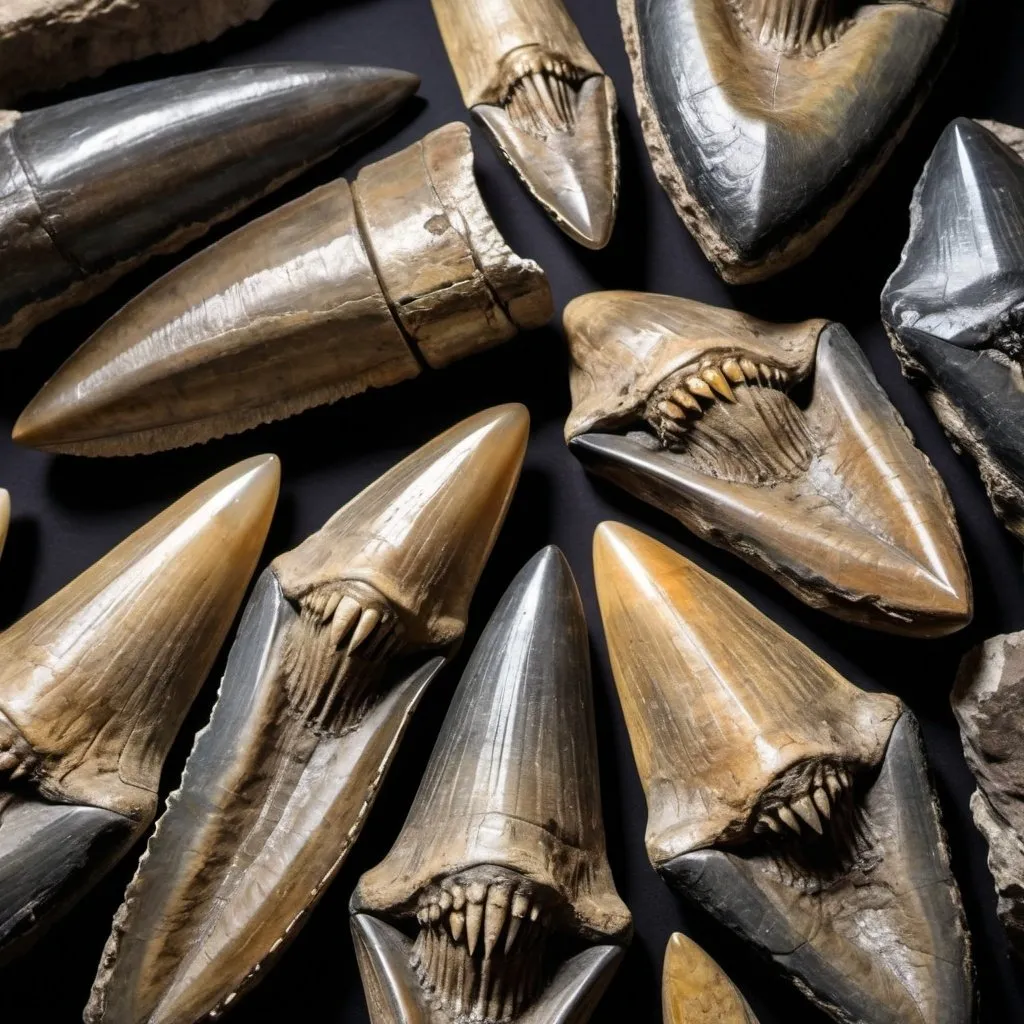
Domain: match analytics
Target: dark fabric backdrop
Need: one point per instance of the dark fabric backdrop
(69, 511)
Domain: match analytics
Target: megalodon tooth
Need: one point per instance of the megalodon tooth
(988, 701)
(695, 990)
(96, 681)
(767, 119)
(48, 43)
(509, 912)
(91, 188)
(527, 76)
(772, 441)
(954, 307)
(338, 644)
(793, 807)
(346, 288)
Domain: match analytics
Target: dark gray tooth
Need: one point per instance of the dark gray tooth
(954, 308)
(92, 187)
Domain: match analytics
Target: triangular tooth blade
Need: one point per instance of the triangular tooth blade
(96, 681)
(392, 991)
(826, 493)
(578, 986)
(760, 182)
(954, 307)
(104, 185)
(572, 172)
(695, 990)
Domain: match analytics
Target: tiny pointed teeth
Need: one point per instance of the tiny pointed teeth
(367, 624)
(345, 617)
(671, 410)
(749, 368)
(766, 374)
(766, 821)
(788, 818)
(805, 808)
(534, 912)
(686, 400)
(835, 787)
(456, 923)
(520, 905)
(495, 914)
(331, 606)
(821, 801)
(716, 379)
(733, 371)
(699, 386)
(844, 778)
(474, 923)
(435, 913)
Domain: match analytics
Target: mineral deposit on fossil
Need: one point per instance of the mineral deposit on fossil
(96, 681)
(346, 288)
(775, 442)
(91, 188)
(766, 119)
(793, 807)
(530, 80)
(340, 640)
(514, 910)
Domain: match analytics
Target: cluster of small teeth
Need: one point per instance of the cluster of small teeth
(828, 786)
(480, 947)
(541, 96)
(792, 26)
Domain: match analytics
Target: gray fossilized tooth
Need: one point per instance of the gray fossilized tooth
(95, 682)
(766, 119)
(988, 701)
(775, 442)
(520, 864)
(954, 307)
(340, 641)
(792, 806)
(91, 188)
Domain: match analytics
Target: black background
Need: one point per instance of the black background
(68, 512)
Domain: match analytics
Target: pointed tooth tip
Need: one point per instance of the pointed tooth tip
(805, 809)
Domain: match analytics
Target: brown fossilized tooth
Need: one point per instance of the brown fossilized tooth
(528, 77)
(695, 990)
(95, 682)
(792, 806)
(346, 288)
(505, 896)
(339, 642)
(775, 442)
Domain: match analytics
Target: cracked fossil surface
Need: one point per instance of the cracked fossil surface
(48, 43)
(766, 119)
(695, 990)
(774, 442)
(529, 79)
(988, 701)
(96, 681)
(340, 640)
(346, 288)
(90, 189)
(793, 807)
(954, 307)
(510, 912)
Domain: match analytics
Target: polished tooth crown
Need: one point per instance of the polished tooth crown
(695, 990)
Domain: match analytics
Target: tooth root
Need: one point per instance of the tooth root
(716, 379)
(821, 801)
(788, 818)
(686, 400)
(805, 808)
(699, 386)
(495, 915)
(367, 624)
(345, 617)
(474, 922)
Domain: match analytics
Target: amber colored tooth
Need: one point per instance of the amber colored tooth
(687, 401)
(695, 990)
(767, 377)
(733, 371)
(671, 410)
(805, 809)
(821, 801)
(717, 380)
(749, 368)
(700, 387)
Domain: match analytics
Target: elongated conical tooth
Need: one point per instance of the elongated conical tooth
(830, 496)
(759, 192)
(804, 807)
(495, 917)
(835, 788)
(724, 709)
(700, 388)
(457, 922)
(687, 401)
(553, 120)
(695, 990)
(271, 801)
(345, 617)
(733, 371)
(474, 923)
(99, 183)
(351, 294)
(821, 801)
(367, 624)
(718, 382)
(95, 683)
(769, 822)
(514, 924)
(671, 409)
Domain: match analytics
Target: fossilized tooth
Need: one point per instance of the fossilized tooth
(95, 682)
(987, 701)
(775, 442)
(346, 288)
(695, 990)
(529, 79)
(94, 187)
(516, 912)
(48, 43)
(340, 640)
(954, 308)
(766, 119)
(792, 806)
